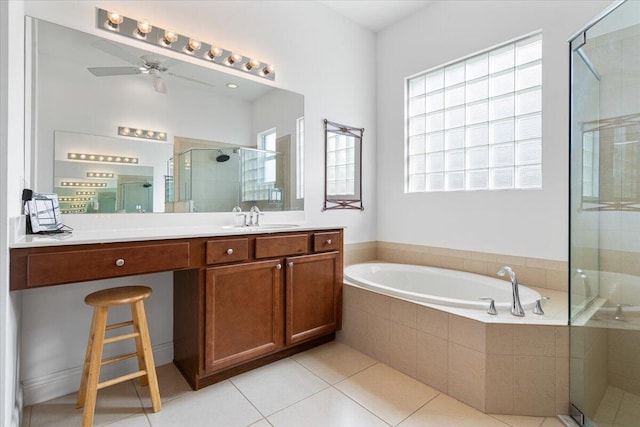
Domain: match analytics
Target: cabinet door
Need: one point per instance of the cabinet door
(243, 313)
(312, 296)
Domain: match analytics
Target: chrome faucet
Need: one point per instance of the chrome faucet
(516, 307)
(254, 212)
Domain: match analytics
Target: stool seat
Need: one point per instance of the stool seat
(118, 296)
(134, 296)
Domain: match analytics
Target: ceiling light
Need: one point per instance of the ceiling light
(143, 28)
(169, 37)
(233, 58)
(143, 31)
(114, 19)
(193, 46)
(253, 63)
(142, 133)
(232, 85)
(213, 52)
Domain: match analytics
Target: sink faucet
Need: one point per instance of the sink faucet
(254, 212)
(516, 307)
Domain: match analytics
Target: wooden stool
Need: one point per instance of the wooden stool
(89, 385)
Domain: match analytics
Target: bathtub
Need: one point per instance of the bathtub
(436, 286)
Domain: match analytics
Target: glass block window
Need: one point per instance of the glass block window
(476, 124)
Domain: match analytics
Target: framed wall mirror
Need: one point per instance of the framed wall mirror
(343, 166)
(208, 140)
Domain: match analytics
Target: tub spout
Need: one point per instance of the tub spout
(516, 307)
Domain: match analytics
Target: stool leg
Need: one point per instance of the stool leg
(94, 366)
(144, 381)
(140, 322)
(85, 369)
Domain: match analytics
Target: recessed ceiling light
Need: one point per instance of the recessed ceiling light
(232, 85)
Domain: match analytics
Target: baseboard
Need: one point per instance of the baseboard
(60, 383)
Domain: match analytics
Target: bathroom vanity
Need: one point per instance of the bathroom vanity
(241, 299)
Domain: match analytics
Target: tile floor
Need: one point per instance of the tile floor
(331, 385)
(618, 409)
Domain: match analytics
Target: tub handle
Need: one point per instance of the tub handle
(492, 306)
(538, 307)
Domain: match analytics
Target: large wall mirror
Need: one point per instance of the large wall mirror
(119, 129)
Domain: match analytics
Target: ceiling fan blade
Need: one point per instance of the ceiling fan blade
(159, 85)
(113, 71)
(191, 80)
(117, 51)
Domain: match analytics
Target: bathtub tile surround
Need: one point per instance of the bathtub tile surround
(356, 391)
(495, 368)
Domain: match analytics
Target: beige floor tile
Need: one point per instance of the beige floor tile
(444, 411)
(386, 392)
(326, 408)
(520, 421)
(333, 362)
(217, 405)
(113, 404)
(278, 385)
(26, 416)
(170, 382)
(262, 423)
(553, 422)
(132, 421)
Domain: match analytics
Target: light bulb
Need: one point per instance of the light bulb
(114, 19)
(193, 45)
(162, 135)
(125, 131)
(150, 134)
(169, 37)
(252, 64)
(233, 58)
(144, 28)
(267, 70)
(213, 52)
(138, 132)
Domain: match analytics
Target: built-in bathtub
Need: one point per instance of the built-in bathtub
(431, 324)
(437, 286)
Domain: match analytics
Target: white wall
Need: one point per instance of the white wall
(316, 53)
(12, 179)
(532, 223)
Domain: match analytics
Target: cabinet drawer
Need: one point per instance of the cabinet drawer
(275, 246)
(78, 266)
(227, 250)
(325, 242)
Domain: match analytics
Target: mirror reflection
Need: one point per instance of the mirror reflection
(343, 162)
(209, 141)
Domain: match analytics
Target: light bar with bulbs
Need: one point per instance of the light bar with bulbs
(106, 158)
(85, 193)
(82, 184)
(100, 175)
(142, 133)
(142, 30)
(73, 199)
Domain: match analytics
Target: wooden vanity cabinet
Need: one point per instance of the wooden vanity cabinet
(243, 312)
(280, 297)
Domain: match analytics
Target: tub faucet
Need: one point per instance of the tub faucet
(516, 307)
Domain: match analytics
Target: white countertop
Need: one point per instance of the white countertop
(82, 237)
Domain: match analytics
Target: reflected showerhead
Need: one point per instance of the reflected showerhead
(222, 157)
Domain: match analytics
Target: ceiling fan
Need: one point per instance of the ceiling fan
(155, 66)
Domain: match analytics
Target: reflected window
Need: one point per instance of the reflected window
(300, 158)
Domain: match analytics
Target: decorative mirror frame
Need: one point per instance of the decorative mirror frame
(330, 201)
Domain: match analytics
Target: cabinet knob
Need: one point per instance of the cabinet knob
(229, 251)
(290, 264)
(328, 241)
(120, 262)
(278, 266)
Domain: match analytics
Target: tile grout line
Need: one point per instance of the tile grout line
(359, 404)
(420, 407)
(248, 400)
(144, 410)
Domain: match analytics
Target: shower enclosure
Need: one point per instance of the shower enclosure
(605, 220)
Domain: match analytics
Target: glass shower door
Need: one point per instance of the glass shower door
(605, 220)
